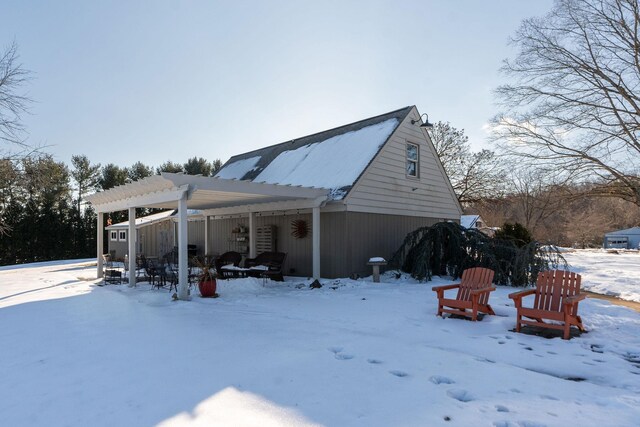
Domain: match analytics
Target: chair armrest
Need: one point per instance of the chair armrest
(483, 290)
(445, 287)
(519, 295)
(574, 299)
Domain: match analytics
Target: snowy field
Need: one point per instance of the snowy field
(352, 353)
(615, 273)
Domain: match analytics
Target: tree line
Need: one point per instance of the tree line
(42, 208)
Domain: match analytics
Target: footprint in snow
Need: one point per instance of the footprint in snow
(502, 408)
(335, 350)
(437, 379)
(501, 342)
(342, 356)
(374, 361)
(399, 374)
(461, 395)
(546, 396)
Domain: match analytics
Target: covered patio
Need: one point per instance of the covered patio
(214, 196)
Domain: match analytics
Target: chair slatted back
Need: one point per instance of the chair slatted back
(553, 287)
(472, 279)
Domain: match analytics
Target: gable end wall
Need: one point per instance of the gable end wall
(384, 187)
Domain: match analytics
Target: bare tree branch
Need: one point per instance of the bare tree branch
(574, 100)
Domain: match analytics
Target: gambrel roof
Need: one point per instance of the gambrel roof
(332, 159)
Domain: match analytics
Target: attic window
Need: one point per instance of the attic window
(413, 155)
(122, 236)
(114, 235)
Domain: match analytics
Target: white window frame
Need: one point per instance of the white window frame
(122, 235)
(408, 160)
(113, 235)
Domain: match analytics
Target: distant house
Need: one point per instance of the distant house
(358, 189)
(623, 239)
(476, 221)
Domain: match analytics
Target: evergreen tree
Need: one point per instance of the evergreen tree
(169, 166)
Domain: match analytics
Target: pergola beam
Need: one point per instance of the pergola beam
(143, 200)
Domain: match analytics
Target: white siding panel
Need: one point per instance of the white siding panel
(385, 188)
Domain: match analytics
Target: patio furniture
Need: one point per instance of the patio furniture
(473, 294)
(557, 295)
(152, 270)
(111, 272)
(273, 261)
(231, 271)
(227, 258)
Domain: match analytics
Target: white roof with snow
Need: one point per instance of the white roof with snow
(333, 159)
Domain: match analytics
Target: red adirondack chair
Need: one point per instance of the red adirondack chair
(557, 295)
(473, 294)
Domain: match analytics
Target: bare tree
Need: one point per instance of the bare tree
(473, 176)
(574, 100)
(13, 104)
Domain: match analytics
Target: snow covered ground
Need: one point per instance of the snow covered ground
(615, 273)
(352, 353)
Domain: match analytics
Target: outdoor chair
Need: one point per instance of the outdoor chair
(557, 294)
(227, 258)
(473, 294)
(152, 270)
(111, 272)
(274, 261)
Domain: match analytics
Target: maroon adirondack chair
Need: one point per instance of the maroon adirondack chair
(473, 294)
(557, 295)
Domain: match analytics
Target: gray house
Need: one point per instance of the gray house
(623, 239)
(330, 200)
(155, 234)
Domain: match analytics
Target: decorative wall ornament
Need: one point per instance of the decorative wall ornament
(299, 228)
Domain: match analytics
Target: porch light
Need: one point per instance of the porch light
(426, 123)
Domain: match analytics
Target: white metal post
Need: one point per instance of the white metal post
(315, 231)
(132, 247)
(206, 235)
(253, 234)
(100, 243)
(183, 274)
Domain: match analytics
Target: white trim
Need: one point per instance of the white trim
(264, 207)
(315, 235)
(122, 235)
(100, 244)
(183, 283)
(132, 246)
(148, 199)
(408, 160)
(113, 234)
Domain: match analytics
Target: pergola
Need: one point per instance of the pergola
(214, 196)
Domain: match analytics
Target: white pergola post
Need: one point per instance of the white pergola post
(183, 274)
(100, 244)
(315, 232)
(206, 235)
(253, 234)
(132, 247)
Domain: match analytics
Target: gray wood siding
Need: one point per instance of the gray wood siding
(195, 233)
(299, 262)
(347, 242)
(384, 187)
(371, 235)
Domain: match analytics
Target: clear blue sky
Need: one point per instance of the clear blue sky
(122, 81)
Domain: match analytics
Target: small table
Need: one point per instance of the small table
(233, 272)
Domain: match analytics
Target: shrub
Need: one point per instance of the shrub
(447, 249)
(517, 233)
